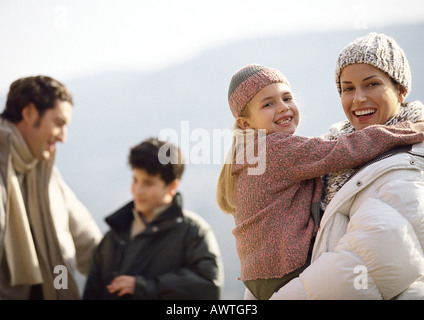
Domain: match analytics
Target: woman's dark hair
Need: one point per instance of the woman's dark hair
(158, 157)
(42, 91)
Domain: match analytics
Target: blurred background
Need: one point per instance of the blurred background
(138, 68)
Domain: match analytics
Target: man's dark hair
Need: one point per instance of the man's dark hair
(42, 91)
(147, 155)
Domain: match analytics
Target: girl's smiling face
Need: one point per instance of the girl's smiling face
(369, 95)
(273, 108)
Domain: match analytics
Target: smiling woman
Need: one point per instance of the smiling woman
(373, 79)
(371, 210)
(275, 211)
(369, 96)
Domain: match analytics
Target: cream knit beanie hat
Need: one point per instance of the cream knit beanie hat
(379, 51)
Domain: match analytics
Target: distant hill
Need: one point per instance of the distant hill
(113, 111)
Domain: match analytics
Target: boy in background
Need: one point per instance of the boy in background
(155, 248)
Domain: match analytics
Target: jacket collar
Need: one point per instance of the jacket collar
(418, 149)
(121, 220)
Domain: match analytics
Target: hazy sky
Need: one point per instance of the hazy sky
(70, 38)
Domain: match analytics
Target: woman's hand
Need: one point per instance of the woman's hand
(122, 285)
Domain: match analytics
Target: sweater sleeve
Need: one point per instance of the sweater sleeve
(84, 230)
(302, 158)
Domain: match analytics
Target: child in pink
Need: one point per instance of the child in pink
(276, 207)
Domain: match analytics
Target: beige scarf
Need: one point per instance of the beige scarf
(31, 256)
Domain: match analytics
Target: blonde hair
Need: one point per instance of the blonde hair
(225, 185)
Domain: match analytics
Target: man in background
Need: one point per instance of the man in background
(46, 233)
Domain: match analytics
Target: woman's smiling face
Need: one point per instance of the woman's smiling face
(369, 96)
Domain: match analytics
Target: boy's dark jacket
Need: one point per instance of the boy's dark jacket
(175, 257)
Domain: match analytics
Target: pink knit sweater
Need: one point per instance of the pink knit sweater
(273, 221)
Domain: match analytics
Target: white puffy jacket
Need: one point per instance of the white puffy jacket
(371, 239)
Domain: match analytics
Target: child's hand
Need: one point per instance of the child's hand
(122, 285)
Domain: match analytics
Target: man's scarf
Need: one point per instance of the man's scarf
(31, 245)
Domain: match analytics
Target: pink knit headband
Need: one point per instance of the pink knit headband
(248, 81)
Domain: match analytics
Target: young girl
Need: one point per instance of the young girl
(276, 211)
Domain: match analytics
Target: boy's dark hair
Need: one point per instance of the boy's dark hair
(147, 156)
(42, 91)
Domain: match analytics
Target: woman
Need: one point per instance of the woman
(266, 201)
(371, 237)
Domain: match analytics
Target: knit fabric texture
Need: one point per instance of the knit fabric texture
(379, 51)
(274, 225)
(412, 111)
(248, 81)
